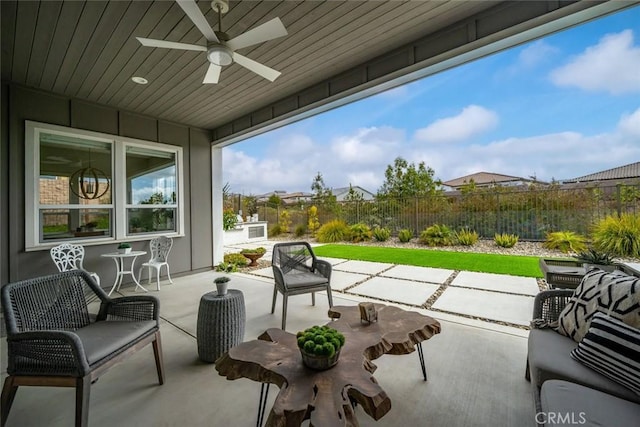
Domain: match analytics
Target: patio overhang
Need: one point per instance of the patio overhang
(335, 52)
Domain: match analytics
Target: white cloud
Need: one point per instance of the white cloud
(362, 157)
(559, 155)
(366, 146)
(612, 65)
(536, 52)
(630, 123)
(473, 120)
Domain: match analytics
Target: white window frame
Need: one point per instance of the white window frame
(118, 204)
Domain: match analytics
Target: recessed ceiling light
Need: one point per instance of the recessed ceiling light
(140, 80)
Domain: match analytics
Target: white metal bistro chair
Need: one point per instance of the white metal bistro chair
(68, 256)
(160, 248)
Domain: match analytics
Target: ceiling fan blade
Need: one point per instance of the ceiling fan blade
(195, 14)
(267, 31)
(213, 74)
(262, 70)
(170, 45)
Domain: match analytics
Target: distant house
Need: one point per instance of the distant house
(287, 198)
(297, 197)
(626, 174)
(342, 192)
(487, 179)
(300, 196)
(261, 198)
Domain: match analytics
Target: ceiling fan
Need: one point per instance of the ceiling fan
(220, 50)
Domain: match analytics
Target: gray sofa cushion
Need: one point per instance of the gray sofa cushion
(550, 359)
(565, 403)
(102, 339)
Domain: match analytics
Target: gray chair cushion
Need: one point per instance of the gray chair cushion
(550, 359)
(299, 279)
(102, 339)
(588, 407)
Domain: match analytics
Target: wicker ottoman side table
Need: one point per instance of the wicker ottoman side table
(221, 321)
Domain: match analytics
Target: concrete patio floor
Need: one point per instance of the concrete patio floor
(475, 370)
(488, 297)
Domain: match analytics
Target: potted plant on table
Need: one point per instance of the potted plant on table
(320, 347)
(221, 285)
(124, 248)
(254, 255)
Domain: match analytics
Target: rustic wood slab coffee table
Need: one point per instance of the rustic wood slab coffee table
(325, 397)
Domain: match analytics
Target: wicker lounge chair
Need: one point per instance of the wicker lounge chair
(296, 270)
(53, 340)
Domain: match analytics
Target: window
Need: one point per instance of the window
(94, 187)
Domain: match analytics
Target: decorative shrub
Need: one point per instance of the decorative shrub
(467, 237)
(506, 240)
(405, 235)
(229, 219)
(618, 235)
(360, 233)
(381, 234)
(227, 267)
(221, 279)
(276, 230)
(333, 231)
(301, 230)
(259, 250)
(437, 235)
(236, 259)
(565, 241)
(124, 246)
(320, 340)
(593, 256)
(284, 221)
(313, 224)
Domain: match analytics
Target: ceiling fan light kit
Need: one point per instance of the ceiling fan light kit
(220, 50)
(220, 55)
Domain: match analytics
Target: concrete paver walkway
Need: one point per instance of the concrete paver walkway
(492, 297)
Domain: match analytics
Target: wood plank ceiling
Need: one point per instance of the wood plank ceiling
(87, 49)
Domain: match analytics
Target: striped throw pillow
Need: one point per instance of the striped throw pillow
(612, 348)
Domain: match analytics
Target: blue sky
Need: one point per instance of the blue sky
(559, 107)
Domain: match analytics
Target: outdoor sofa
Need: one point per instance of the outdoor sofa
(53, 339)
(565, 390)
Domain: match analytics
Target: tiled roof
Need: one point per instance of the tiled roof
(483, 178)
(621, 172)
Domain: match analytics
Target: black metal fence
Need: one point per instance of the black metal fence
(528, 212)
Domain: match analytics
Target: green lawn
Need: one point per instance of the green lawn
(526, 266)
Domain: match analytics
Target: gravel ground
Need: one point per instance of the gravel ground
(482, 246)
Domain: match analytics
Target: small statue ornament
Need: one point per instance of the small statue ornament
(368, 312)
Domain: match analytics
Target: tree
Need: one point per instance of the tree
(404, 180)
(322, 195)
(250, 204)
(319, 189)
(274, 200)
(353, 195)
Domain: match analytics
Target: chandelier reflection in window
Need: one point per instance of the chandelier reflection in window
(92, 182)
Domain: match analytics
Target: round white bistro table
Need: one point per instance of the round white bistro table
(119, 259)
